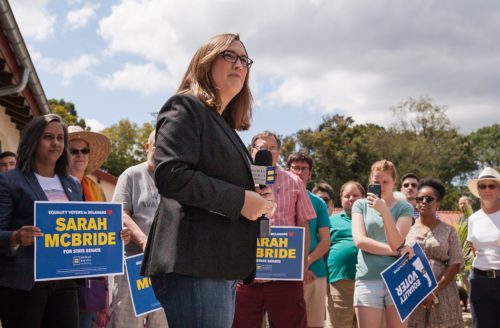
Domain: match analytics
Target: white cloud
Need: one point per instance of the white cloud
(146, 79)
(68, 69)
(359, 58)
(76, 66)
(78, 18)
(33, 18)
(95, 125)
(156, 31)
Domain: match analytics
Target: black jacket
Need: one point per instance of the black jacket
(18, 192)
(202, 171)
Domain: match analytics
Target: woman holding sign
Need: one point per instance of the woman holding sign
(440, 243)
(379, 227)
(41, 174)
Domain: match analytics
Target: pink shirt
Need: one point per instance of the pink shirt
(293, 207)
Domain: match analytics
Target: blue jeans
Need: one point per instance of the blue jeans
(86, 319)
(194, 302)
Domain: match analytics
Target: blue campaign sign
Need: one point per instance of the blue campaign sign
(409, 281)
(143, 297)
(80, 239)
(281, 256)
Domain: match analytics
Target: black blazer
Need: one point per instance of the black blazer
(18, 192)
(202, 171)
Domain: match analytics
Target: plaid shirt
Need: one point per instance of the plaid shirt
(293, 207)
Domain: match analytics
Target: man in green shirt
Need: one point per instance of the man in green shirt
(315, 285)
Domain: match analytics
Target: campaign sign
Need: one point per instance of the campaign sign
(80, 239)
(281, 256)
(409, 281)
(143, 297)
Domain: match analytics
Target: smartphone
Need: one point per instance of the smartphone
(375, 189)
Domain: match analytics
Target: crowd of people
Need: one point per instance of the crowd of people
(195, 212)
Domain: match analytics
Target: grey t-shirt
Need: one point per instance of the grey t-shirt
(137, 191)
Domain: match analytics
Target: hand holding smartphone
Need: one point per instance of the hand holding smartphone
(375, 189)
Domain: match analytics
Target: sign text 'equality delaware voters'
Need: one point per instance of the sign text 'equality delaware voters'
(80, 239)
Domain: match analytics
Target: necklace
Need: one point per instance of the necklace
(427, 234)
(432, 227)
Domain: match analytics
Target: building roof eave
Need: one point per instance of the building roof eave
(16, 41)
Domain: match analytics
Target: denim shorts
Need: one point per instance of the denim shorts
(371, 293)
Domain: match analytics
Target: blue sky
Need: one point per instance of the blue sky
(123, 59)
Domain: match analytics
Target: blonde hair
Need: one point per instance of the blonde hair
(198, 81)
(384, 166)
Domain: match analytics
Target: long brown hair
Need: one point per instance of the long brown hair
(198, 81)
(30, 138)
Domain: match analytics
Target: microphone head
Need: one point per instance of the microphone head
(263, 157)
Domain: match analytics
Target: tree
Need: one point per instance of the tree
(485, 146)
(423, 141)
(339, 148)
(127, 145)
(420, 116)
(67, 112)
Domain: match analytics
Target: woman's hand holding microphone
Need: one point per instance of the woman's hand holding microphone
(258, 203)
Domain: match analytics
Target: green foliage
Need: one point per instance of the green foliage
(67, 112)
(339, 148)
(461, 228)
(453, 194)
(485, 146)
(421, 141)
(420, 116)
(127, 145)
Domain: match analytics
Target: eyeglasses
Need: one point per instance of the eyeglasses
(427, 199)
(299, 168)
(487, 186)
(232, 57)
(408, 185)
(325, 199)
(83, 151)
(271, 149)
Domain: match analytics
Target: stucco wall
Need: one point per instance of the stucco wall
(9, 135)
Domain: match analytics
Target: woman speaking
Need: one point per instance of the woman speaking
(203, 238)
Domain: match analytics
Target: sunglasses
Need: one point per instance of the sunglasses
(408, 185)
(83, 151)
(427, 199)
(487, 186)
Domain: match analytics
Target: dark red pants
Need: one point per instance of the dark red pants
(282, 300)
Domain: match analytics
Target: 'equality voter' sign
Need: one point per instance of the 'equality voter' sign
(409, 281)
(143, 297)
(80, 239)
(281, 256)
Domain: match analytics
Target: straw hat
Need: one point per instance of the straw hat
(487, 174)
(99, 146)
